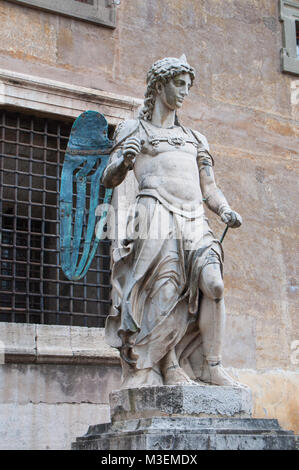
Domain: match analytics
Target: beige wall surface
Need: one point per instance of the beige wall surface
(243, 104)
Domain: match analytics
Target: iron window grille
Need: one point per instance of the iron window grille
(33, 288)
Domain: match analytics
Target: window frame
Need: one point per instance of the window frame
(289, 14)
(103, 12)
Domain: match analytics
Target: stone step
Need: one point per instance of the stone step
(188, 434)
(188, 441)
(190, 423)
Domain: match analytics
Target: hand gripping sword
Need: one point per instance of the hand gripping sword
(226, 229)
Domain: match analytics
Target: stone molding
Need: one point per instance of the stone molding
(61, 99)
(55, 344)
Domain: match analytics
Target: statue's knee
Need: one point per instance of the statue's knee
(216, 290)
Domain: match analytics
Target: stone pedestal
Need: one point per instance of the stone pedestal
(184, 418)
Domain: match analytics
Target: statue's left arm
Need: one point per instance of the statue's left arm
(214, 198)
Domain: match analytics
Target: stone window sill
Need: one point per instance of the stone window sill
(61, 99)
(52, 344)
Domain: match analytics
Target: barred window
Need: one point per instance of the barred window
(33, 288)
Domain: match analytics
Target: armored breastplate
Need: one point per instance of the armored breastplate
(176, 136)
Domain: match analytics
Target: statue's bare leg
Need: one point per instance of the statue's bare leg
(212, 326)
(173, 374)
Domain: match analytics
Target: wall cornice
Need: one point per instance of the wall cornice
(61, 99)
(54, 344)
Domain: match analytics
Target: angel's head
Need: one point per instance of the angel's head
(171, 78)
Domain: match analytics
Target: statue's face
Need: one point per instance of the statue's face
(174, 91)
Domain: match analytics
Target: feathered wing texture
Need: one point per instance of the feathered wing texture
(86, 157)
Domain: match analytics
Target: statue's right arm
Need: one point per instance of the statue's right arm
(122, 159)
(116, 170)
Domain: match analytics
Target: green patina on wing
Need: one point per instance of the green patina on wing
(86, 158)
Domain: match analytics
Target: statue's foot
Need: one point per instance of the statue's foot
(215, 374)
(175, 375)
(142, 378)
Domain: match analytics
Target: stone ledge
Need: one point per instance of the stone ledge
(59, 98)
(53, 344)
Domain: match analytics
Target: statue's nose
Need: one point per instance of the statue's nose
(185, 91)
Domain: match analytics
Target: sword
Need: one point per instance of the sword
(227, 227)
(224, 233)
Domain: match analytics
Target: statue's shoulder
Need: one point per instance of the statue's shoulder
(201, 139)
(125, 129)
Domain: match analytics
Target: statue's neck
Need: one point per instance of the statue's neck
(162, 116)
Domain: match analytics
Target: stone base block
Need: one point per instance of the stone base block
(181, 400)
(184, 418)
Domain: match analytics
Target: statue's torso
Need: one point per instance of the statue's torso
(167, 168)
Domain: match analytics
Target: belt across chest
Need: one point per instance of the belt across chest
(174, 141)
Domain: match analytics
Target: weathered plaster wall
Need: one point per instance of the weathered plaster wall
(54, 382)
(274, 393)
(243, 104)
(47, 406)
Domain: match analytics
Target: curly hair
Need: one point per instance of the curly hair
(162, 71)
